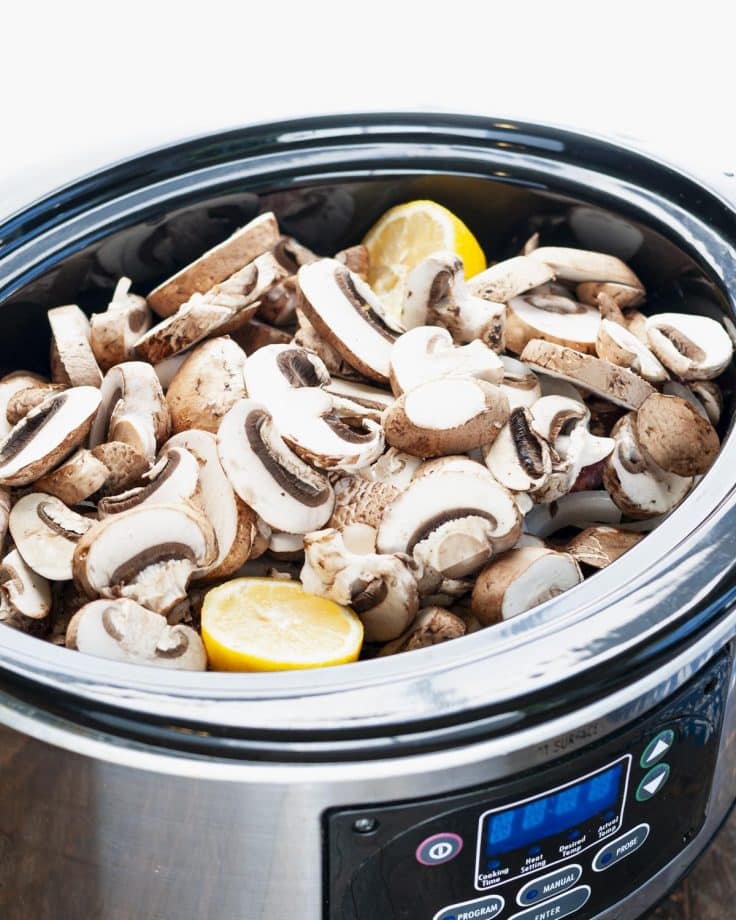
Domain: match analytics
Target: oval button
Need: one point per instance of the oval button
(438, 849)
(479, 909)
(557, 908)
(539, 889)
(620, 848)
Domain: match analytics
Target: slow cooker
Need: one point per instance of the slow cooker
(574, 761)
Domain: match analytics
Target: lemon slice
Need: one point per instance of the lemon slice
(262, 624)
(404, 236)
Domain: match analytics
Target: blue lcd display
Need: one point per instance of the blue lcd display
(560, 811)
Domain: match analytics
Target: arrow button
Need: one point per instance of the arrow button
(653, 782)
(657, 748)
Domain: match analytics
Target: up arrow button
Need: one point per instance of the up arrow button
(657, 748)
(652, 782)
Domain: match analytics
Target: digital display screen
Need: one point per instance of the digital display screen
(560, 811)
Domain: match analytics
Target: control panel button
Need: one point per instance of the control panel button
(480, 909)
(657, 748)
(539, 889)
(620, 848)
(438, 849)
(557, 908)
(653, 782)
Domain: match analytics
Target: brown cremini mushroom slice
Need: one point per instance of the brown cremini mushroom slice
(306, 336)
(72, 360)
(446, 417)
(394, 467)
(9, 386)
(600, 546)
(216, 265)
(623, 295)
(114, 333)
(21, 403)
(675, 436)
(5, 505)
(638, 486)
(25, 597)
(275, 369)
(360, 501)
(576, 509)
(47, 435)
(519, 458)
(267, 475)
(380, 588)
(550, 313)
(615, 343)
(505, 280)
(45, 533)
(357, 259)
(174, 477)
(167, 369)
(586, 265)
(148, 554)
(709, 395)
(521, 579)
(432, 626)
(617, 384)
(123, 630)
(125, 466)
(256, 334)
(75, 479)
(348, 316)
(354, 402)
(207, 384)
(520, 384)
(692, 347)
(636, 323)
(280, 302)
(234, 522)
(133, 409)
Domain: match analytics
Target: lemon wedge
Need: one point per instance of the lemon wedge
(404, 236)
(261, 624)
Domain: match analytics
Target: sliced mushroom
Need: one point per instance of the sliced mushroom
(638, 486)
(354, 402)
(286, 547)
(578, 509)
(600, 546)
(114, 333)
(125, 466)
(256, 334)
(287, 493)
(619, 346)
(555, 386)
(25, 597)
(457, 463)
(550, 313)
(234, 522)
(380, 588)
(148, 554)
(636, 323)
(506, 280)
(216, 265)
(359, 538)
(433, 626)
(75, 479)
(429, 353)
(520, 384)
(675, 436)
(347, 314)
(446, 417)
(207, 384)
(46, 533)
(614, 383)
(530, 245)
(275, 369)
(519, 458)
(9, 386)
(21, 403)
(585, 265)
(48, 434)
(360, 501)
(692, 347)
(394, 467)
(5, 504)
(167, 369)
(356, 258)
(281, 301)
(72, 360)
(624, 295)
(133, 409)
(521, 579)
(174, 477)
(708, 393)
(307, 337)
(122, 630)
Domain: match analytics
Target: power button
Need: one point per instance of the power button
(438, 849)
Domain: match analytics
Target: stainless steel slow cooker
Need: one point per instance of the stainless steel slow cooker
(572, 762)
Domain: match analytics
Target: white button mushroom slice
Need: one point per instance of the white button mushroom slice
(549, 313)
(527, 539)
(279, 304)
(21, 403)
(174, 477)
(261, 534)
(25, 597)
(524, 502)
(394, 467)
(72, 360)
(451, 521)
(287, 493)
(380, 588)
(359, 538)
(354, 402)
(616, 384)
(167, 369)
(520, 384)
(275, 369)
(9, 386)
(75, 479)
(530, 245)
(147, 554)
(48, 434)
(5, 504)
(133, 409)
(586, 265)
(359, 500)
(436, 294)
(459, 463)
(555, 386)
(619, 346)
(639, 487)
(307, 337)
(519, 458)
(114, 333)
(675, 436)
(577, 509)
(692, 347)
(599, 546)
(673, 388)
(125, 466)
(432, 626)
(356, 258)
(446, 417)
(286, 547)
(522, 579)
(636, 323)
(207, 384)
(234, 522)
(46, 533)
(510, 278)
(709, 395)
(216, 265)
(624, 295)
(224, 307)
(429, 353)
(346, 313)
(122, 630)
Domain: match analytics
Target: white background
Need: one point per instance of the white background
(84, 84)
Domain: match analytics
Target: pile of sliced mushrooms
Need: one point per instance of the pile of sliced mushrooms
(510, 434)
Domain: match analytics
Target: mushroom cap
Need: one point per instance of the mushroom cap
(432, 626)
(360, 501)
(125, 466)
(174, 477)
(691, 346)
(75, 479)
(519, 458)
(11, 384)
(257, 334)
(113, 334)
(49, 433)
(676, 436)
(552, 316)
(459, 463)
(46, 533)
(72, 360)
(287, 493)
(506, 280)
(21, 403)
(25, 597)
(624, 295)
(615, 343)
(586, 265)
(519, 384)
(123, 630)
(600, 546)
(275, 369)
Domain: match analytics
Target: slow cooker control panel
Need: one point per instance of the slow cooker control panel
(567, 840)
